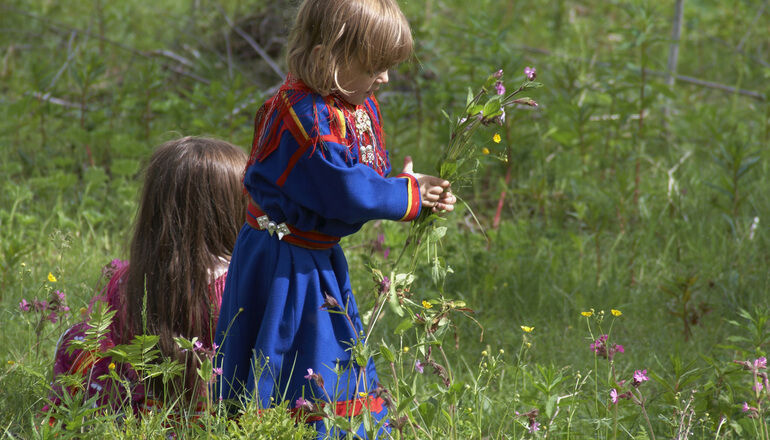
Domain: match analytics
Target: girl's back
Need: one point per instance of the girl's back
(190, 210)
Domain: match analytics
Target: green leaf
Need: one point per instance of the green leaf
(437, 233)
(403, 326)
(492, 108)
(448, 169)
(427, 412)
(386, 353)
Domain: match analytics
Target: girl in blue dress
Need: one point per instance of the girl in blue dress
(317, 172)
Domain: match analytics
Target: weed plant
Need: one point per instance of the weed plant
(605, 276)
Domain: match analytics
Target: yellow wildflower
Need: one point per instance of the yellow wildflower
(485, 150)
(502, 351)
(588, 313)
(426, 304)
(111, 366)
(361, 394)
(484, 353)
(497, 138)
(406, 349)
(616, 312)
(51, 278)
(11, 362)
(527, 328)
(529, 344)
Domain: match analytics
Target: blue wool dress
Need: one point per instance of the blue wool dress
(317, 172)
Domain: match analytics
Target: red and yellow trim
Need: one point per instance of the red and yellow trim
(304, 239)
(347, 408)
(413, 201)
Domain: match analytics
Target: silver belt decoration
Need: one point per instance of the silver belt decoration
(272, 227)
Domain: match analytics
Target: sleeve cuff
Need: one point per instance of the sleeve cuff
(413, 197)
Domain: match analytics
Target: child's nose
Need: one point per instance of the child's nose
(382, 78)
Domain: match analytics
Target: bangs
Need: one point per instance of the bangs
(378, 35)
(383, 39)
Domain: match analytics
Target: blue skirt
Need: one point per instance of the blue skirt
(273, 327)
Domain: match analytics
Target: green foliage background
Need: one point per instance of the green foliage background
(621, 191)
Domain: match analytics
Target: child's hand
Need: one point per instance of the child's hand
(435, 192)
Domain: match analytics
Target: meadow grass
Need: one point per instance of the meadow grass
(621, 193)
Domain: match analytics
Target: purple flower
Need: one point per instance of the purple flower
(198, 346)
(760, 363)
(214, 347)
(418, 366)
(329, 302)
(746, 407)
(52, 317)
(40, 305)
(534, 426)
(498, 74)
(499, 88)
(24, 305)
(218, 371)
(530, 73)
(639, 377)
(757, 387)
(310, 374)
(385, 253)
(385, 285)
(60, 295)
(614, 395)
(601, 348)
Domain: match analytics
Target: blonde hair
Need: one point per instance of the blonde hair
(374, 33)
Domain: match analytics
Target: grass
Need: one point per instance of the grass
(612, 202)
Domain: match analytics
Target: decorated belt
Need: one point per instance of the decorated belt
(257, 219)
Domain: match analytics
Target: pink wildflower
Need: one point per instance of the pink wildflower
(319, 380)
(198, 346)
(418, 366)
(760, 363)
(614, 395)
(602, 349)
(534, 426)
(530, 73)
(757, 387)
(40, 305)
(385, 253)
(24, 305)
(746, 407)
(52, 317)
(500, 88)
(218, 371)
(304, 405)
(498, 74)
(639, 377)
(385, 285)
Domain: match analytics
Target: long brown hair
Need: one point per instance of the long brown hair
(191, 209)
